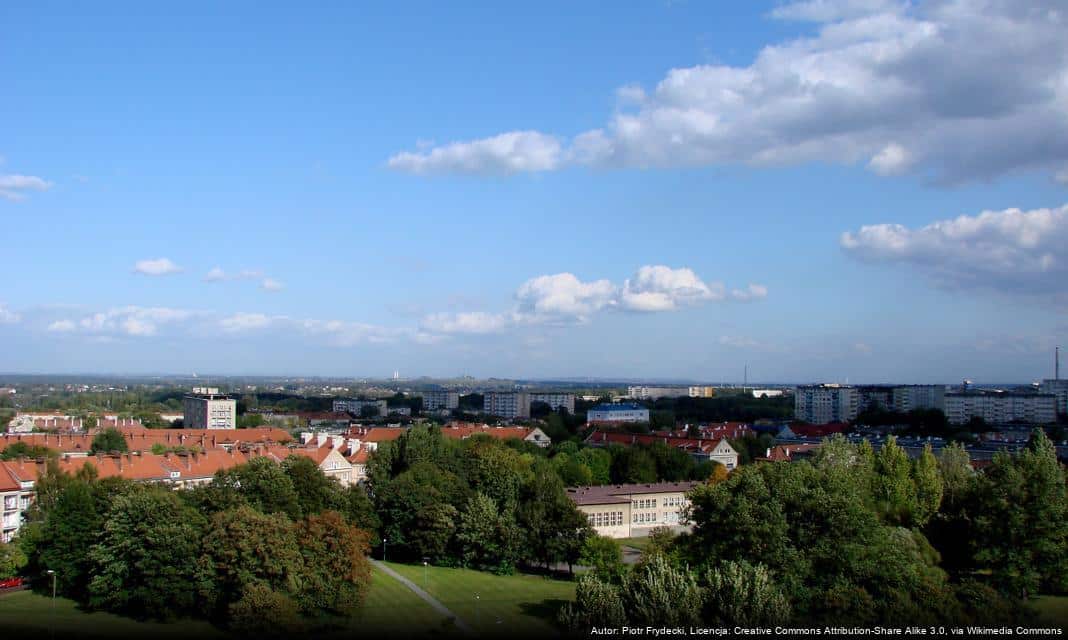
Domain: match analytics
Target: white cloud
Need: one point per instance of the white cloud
(218, 274)
(950, 90)
(501, 154)
(563, 296)
(62, 326)
(752, 292)
(347, 334)
(215, 275)
(660, 288)
(7, 316)
(240, 322)
(746, 343)
(470, 322)
(156, 267)
(270, 284)
(13, 187)
(1011, 251)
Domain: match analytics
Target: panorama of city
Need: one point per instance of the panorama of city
(459, 320)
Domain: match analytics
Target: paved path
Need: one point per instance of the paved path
(429, 599)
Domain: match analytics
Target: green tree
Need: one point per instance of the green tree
(605, 555)
(335, 576)
(657, 594)
(556, 530)
(263, 485)
(146, 559)
(263, 612)
(597, 604)
(488, 538)
(435, 526)
(315, 492)
(599, 462)
(739, 593)
(892, 485)
(23, 449)
(928, 484)
(12, 559)
(70, 527)
(632, 465)
(108, 441)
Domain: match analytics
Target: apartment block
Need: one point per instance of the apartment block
(653, 393)
(1001, 407)
(824, 403)
(622, 412)
(1058, 388)
(356, 407)
(434, 400)
(206, 408)
(919, 396)
(556, 401)
(507, 404)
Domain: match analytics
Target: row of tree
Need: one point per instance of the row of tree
(263, 548)
(855, 536)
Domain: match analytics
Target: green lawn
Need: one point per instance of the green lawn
(1052, 609)
(390, 607)
(637, 543)
(518, 605)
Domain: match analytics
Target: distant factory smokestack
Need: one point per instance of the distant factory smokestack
(1056, 363)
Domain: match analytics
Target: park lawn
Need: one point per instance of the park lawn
(390, 607)
(638, 543)
(1052, 609)
(518, 604)
(30, 613)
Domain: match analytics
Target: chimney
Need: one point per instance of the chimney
(767, 454)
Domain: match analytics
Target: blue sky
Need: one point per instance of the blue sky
(659, 189)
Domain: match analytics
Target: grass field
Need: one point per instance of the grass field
(1052, 609)
(390, 608)
(519, 604)
(637, 543)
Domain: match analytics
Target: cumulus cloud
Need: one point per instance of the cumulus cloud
(7, 316)
(270, 284)
(952, 91)
(470, 322)
(1012, 251)
(510, 152)
(745, 343)
(563, 295)
(14, 187)
(156, 267)
(218, 274)
(62, 326)
(564, 299)
(129, 321)
(240, 322)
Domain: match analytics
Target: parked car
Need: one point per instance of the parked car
(9, 583)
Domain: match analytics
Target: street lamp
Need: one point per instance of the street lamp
(478, 618)
(53, 621)
(384, 541)
(424, 571)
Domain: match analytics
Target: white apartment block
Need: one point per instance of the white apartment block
(703, 391)
(1058, 388)
(434, 400)
(507, 404)
(653, 393)
(356, 407)
(766, 393)
(555, 400)
(206, 408)
(823, 403)
(1001, 407)
(624, 412)
(919, 396)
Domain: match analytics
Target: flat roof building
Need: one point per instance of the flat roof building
(622, 412)
(206, 408)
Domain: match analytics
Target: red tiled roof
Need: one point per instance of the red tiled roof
(689, 445)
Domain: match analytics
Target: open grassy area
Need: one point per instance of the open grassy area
(637, 543)
(390, 608)
(518, 605)
(1052, 610)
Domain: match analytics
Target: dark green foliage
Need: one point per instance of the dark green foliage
(335, 574)
(739, 593)
(263, 484)
(21, 449)
(632, 465)
(12, 559)
(108, 441)
(145, 562)
(262, 612)
(605, 555)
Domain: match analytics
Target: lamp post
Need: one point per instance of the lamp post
(52, 624)
(424, 572)
(384, 541)
(478, 618)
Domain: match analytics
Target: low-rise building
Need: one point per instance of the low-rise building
(633, 510)
(643, 392)
(702, 391)
(357, 407)
(616, 413)
(766, 393)
(719, 450)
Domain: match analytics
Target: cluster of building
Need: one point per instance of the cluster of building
(702, 449)
(633, 510)
(824, 403)
(27, 422)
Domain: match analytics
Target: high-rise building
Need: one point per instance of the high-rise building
(555, 400)
(919, 396)
(1001, 407)
(1058, 388)
(434, 400)
(823, 403)
(206, 408)
(874, 397)
(507, 404)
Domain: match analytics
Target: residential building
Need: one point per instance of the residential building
(633, 510)
(653, 393)
(702, 392)
(766, 393)
(1058, 388)
(556, 401)
(399, 411)
(507, 404)
(1001, 407)
(701, 449)
(919, 396)
(142, 439)
(206, 408)
(434, 400)
(621, 412)
(874, 397)
(823, 403)
(356, 407)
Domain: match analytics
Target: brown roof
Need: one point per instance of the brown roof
(620, 493)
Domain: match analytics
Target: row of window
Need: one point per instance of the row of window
(644, 518)
(674, 501)
(606, 519)
(644, 503)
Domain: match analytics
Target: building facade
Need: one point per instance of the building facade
(919, 396)
(623, 412)
(1001, 407)
(1059, 388)
(556, 401)
(435, 400)
(823, 403)
(702, 392)
(653, 393)
(633, 510)
(206, 408)
(356, 407)
(507, 404)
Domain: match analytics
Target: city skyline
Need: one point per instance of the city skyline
(823, 191)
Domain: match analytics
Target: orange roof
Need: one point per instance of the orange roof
(383, 434)
(8, 482)
(360, 457)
